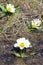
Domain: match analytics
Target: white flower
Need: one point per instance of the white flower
(10, 8)
(36, 23)
(22, 43)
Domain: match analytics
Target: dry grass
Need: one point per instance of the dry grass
(14, 26)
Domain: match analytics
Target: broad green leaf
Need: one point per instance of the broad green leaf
(32, 53)
(16, 6)
(31, 29)
(16, 54)
(3, 8)
(2, 14)
(40, 28)
(23, 55)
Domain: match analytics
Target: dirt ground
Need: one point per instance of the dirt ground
(14, 26)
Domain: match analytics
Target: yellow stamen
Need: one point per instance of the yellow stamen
(22, 44)
(33, 25)
(9, 9)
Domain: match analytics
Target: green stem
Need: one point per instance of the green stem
(21, 52)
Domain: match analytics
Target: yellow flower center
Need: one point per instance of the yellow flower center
(33, 25)
(22, 44)
(9, 9)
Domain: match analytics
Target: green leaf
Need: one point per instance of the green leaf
(2, 14)
(32, 29)
(23, 55)
(33, 53)
(16, 54)
(16, 6)
(40, 28)
(3, 8)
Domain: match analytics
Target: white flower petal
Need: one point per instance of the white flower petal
(20, 40)
(10, 8)
(15, 45)
(36, 23)
(13, 10)
(22, 43)
(21, 48)
(27, 44)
